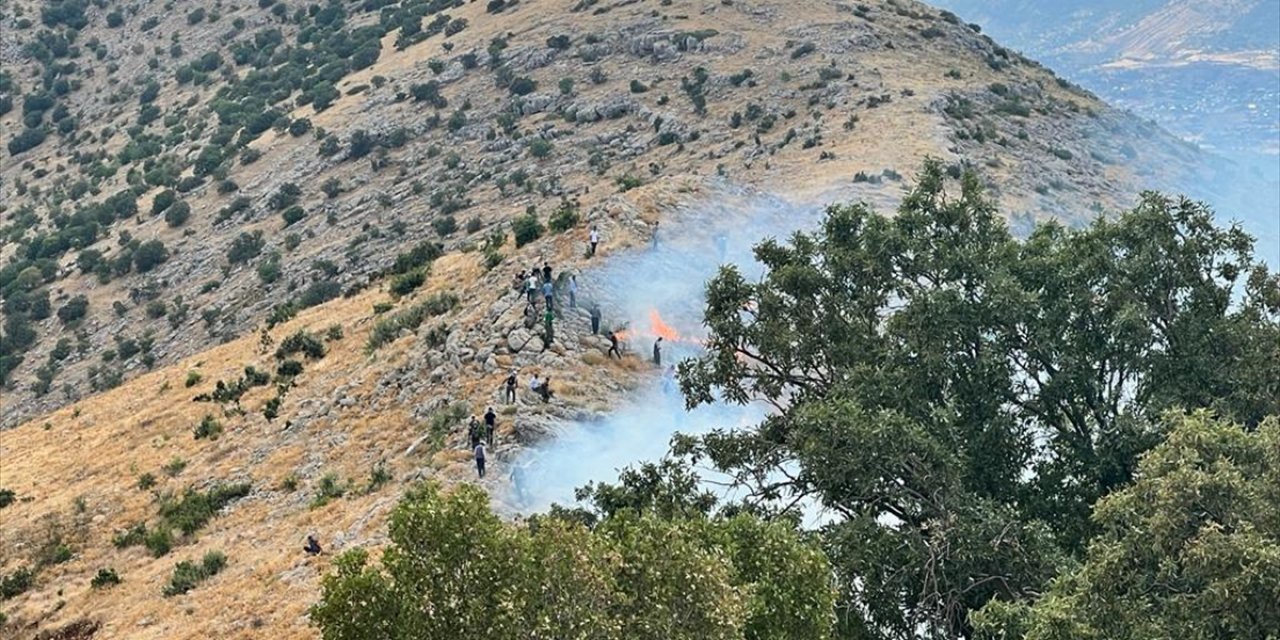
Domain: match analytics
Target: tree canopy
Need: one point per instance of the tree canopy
(1190, 550)
(959, 398)
(454, 569)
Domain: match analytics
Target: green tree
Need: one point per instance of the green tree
(634, 575)
(959, 398)
(1191, 550)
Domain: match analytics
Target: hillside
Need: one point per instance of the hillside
(350, 182)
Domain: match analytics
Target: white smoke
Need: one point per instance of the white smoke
(668, 278)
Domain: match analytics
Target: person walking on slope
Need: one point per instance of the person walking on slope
(473, 431)
(511, 387)
(531, 287)
(595, 240)
(546, 272)
(490, 425)
(595, 319)
(548, 292)
(573, 292)
(613, 345)
(480, 459)
(657, 351)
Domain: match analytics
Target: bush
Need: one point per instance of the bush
(523, 86)
(285, 196)
(186, 574)
(178, 214)
(299, 127)
(289, 369)
(74, 310)
(318, 293)
(209, 428)
(301, 342)
(445, 225)
(6, 497)
(389, 328)
(146, 481)
(361, 144)
(163, 201)
(565, 218)
(149, 255)
(158, 542)
(407, 283)
(526, 229)
(195, 509)
(245, 247)
(16, 583)
(30, 138)
(293, 215)
(638, 87)
(540, 147)
(330, 488)
(105, 578)
(421, 255)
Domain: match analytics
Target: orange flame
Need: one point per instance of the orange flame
(661, 328)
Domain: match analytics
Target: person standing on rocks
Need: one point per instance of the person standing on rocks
(657, 351)
(480, 454)
(531, 286)
(511, 387)
(548, 330)
(573, 292)
(490, 425)
(595, 240)
(655, 235)
(595, 319)
(548, 293)
(613, 345)
(473, 431)
(546, 272)
(545, 390)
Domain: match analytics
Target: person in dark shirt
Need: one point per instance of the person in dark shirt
(490, 425)
(546, 272)
(613, 345)
(511, 387)
(657, 351)
(312, 547)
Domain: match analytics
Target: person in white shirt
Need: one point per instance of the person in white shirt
(595, 240)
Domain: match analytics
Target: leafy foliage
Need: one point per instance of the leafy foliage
(1190, 550)
(960, 398)
(634, 575)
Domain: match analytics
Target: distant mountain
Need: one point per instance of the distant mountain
(1208, 72)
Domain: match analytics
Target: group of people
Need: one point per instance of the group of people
(540, 280)
(481, 436)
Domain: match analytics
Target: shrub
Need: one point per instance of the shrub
(105, 578)
(389, 328)
(331, 187)
(158, 541)
(74, 310)
(361, 144)
(285, 196)
(30, 138)
(163, 201)
(318, 293)
(186, 574)
(149, 255)
(245, 247)
(209, 428)
(6, 497)
(540, 147)
(523, 86)
(566, 86)
(195, 509)
(146, 481)
(638, 87)
(445, 225)
(16, 583)
(174, 467)
(407, 283)
(565, 218)
(422, 254)
(301, 342)
(299, 127)
(289, 369)
(526, 229)
(803, 50)
(428, 92)
(293, 215)
(178, 214)
(329, 488)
